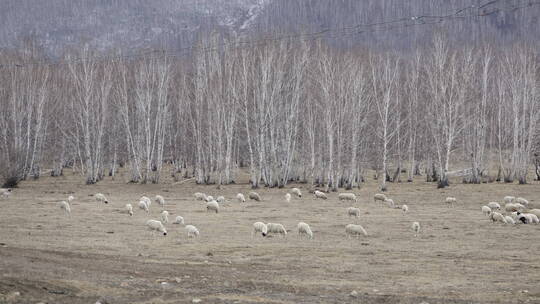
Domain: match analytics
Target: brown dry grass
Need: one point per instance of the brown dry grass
(460, 256)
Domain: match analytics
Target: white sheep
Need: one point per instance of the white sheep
(390, 202)
(147, 200)
(165, 217)
(416, 228)
(405, 209)
(71, 198)
(240, 197)
(296, 192)
(509, 220)
(220, 199)
(255, 196)
(497, 217)
(513, 207)
(192, 231)
(209, 198)
(320, 194)
(509, 199)
(5, 192)
(494, 205)
(535, 212)
(144, 206)
(450, 200)
(129, 209)
(156, 225)
(522, 201)
(347, 197)
(276, 228)
(353, 229)
(520, 217)
(160, 200)
(486, 210)
(304, 228)
(532, 218)
(179, 220)
(259, 227)
(212, 206)
(100, 198)
(288, 197)
(352, 211)
(65, 205)
(379, 197)
(200, 196)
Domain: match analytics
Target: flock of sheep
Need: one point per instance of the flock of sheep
(514, 211)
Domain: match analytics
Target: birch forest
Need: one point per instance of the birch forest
(286, 110)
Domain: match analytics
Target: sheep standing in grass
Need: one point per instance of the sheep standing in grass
(390, 203)
(513, 207)
(144, 206)
(450, 201)
(288, 197)
(379, 197)
(147, 200)
(494, 205)
(5, 192)
(416, 228)
(65, 205)
(71, 198)
(254, 196)
(276, 228)
(532, 218)
(200, 196)
(304, 229)
(240, 197)
(212, 206)
(160, 200)
(347, 197)
(179, 220)
(165, 217)
(320, 194)
(296, 192)
(129, 209)
(220, 199)
(522, 201)
(509, 220)
(405, 209)
(535, 212)
(497, 217)
(156, 226)
(508, 199)
(192, 231)
(209, 198)
(352, 211)
(486, 210)
(259, 227)
(353, 229)
(100, 198)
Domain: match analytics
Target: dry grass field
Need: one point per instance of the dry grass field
(99, 252)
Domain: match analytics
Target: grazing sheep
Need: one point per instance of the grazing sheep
(379, 197)
(157, 226)
(296, 192)
(100, 198)
(304, 228)
(416, 228)
(352, 211)
(192, 231)
(535, 212)
(212, 206)
(240, 197)
(179, 220)
(71, 198)
(494, 205)
(532, 218)
(450, 200)
(160, 200)
(353, 229)
(147, 200)
(200, 196)
(254, 196)
(129, 209)
(5, 192)
(319, 194)
(144, 206)
(520, 217)
(220, 199)
(486, 210)
(165, 217)
(405, 209)
(347, 197)
(65, 205)
(522, 201)
(390, 203)
(288, 197)
(209, 198)
(259, 227)
(509, 199)
(509, 220)
(513, 207)
(276, 228)
(497, 217)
